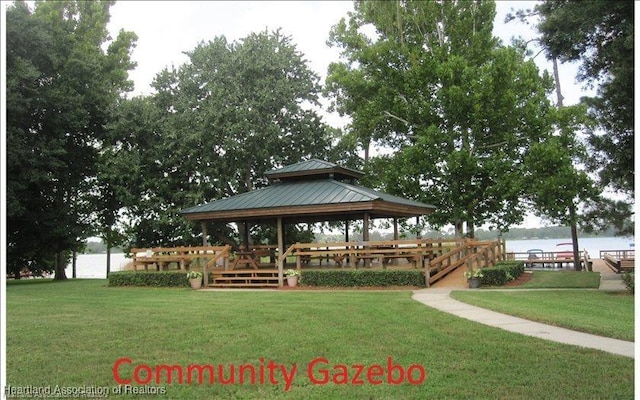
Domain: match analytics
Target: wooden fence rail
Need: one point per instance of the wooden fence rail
(162, 257)
(437, 257)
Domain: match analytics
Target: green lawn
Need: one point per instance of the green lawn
(72, 333)
(562, 279)
(602, 313)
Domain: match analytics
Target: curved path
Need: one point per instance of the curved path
(438, 297)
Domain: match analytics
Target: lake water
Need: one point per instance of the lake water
(94, 266)
(592, 245)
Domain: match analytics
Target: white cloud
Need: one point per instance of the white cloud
(167, 29)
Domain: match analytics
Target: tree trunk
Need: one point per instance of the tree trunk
(574, 238)
(74, 264)
(458, 229)
(108, 258)
(572, 209)
(471, 230)
(60, 267)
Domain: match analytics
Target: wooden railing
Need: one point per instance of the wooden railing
(438, 257)
(162, 257)
(622, 254)
(546, 258)
(353, 253)
(471, 254)
(619, 265)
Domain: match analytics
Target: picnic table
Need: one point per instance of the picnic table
(244, 258)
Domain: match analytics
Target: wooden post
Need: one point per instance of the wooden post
(280, 230)
(205, 276)
(347, 261)
(365, 227)
(205, 239)
(246, 237)
(395, 228)
(365, 236)
(427, 270)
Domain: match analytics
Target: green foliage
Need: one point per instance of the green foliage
(494, 277)
(194, 274)
(474, 273)
(353, 278)
(64, 75)
(501, 273)
(458, 108)
(148, 278)
(629, 281)
(600, 34)
(246, 103)
(292, 272)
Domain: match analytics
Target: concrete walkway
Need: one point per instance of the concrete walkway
(438, 297)
(440, 300)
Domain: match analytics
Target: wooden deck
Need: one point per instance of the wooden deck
(619, 260)
(547, 259)
(261, 266)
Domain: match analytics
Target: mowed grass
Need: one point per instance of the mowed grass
(602, 313)
(71, 334)
(562, 279)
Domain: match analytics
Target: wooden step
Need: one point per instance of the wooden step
(240, 285)
(246, 278)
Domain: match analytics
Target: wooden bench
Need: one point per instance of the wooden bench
(162, 257)
(307, 255)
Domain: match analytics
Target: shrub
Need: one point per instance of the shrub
(352, 278)
(502, 273)
(148, 278)
(513, 268)
(493, 276)
(629, 279)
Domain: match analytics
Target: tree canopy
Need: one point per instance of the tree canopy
(213, 128)
(600, 34)
(64, 75)
(460, 110)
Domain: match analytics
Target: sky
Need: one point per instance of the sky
(166, 29)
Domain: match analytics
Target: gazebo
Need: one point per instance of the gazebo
(306, 192)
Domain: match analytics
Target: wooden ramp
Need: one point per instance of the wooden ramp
(245, 278)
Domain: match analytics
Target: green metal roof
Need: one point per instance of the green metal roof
(315, 168)
(292, 198)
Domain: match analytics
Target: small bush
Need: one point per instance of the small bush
(513, 268)
(149, 278)
(353, 278)
(502, 273)
(629, 279)
(493, 277)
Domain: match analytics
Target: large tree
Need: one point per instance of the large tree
(64, 74)
(599, 34)
(216, 124)
(459, 109)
